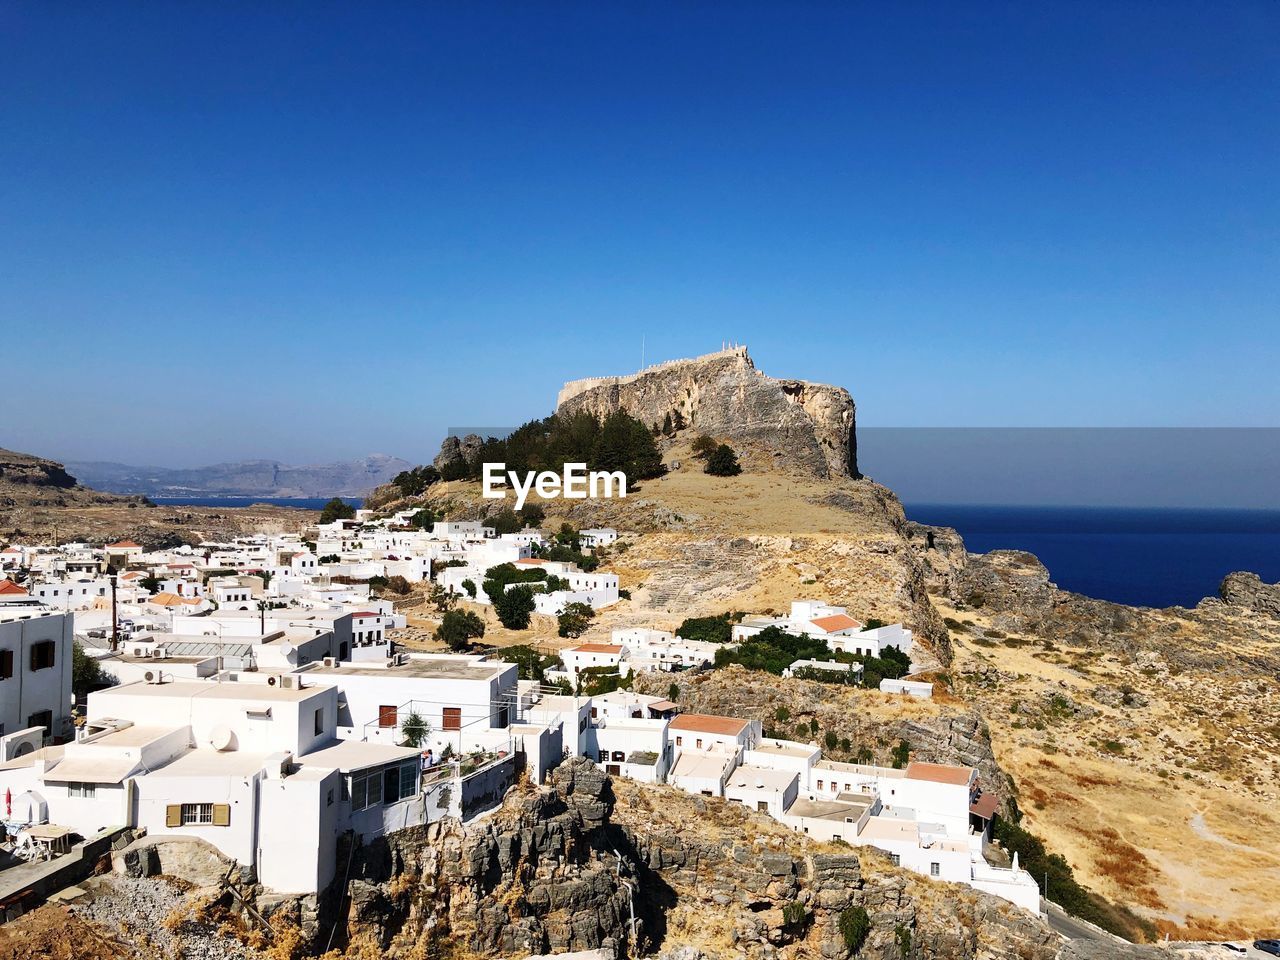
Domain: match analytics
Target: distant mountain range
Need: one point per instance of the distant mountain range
(248, 478)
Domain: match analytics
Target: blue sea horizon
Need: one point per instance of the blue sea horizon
(1151, 557)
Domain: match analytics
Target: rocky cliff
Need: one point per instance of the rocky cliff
(793, 423)
(568, 867)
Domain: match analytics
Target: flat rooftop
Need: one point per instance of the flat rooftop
(200, 762)
(799, 751)
(209, 689)
(419, 669)
(761, 778)
(354, 755)
(845, 805)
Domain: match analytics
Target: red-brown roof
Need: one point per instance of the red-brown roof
(939, 772)
(532, 561)
(124, 543)
(839, 621)
(985, 806)
(10, 589)
(706, 723)
(597, 648)
(366, 613)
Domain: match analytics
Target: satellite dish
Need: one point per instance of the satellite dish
(288, 650)
(221, 738)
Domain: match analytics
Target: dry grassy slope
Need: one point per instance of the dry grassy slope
(1150, 759)
(695, 544)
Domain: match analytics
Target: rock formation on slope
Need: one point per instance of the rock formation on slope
(567, 868)
(797, 423)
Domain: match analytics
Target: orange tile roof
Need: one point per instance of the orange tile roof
(172, 600)
(839, 621)
(597, 648)
(705, 723)
(939, 772)
(10, 589)
(532, 561)
(124, 543)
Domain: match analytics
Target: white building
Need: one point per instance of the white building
(833, 625)
(35, 669)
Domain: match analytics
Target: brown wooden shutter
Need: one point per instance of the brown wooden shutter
(173, 815)
(387, 716)
(222, 814)
(452, 718)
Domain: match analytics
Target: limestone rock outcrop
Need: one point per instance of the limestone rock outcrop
(793, 423)
(1249, 591)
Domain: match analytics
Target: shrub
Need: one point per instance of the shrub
(414, 729)
(901, 754)
(854, 926)
(469, 585)
(398, 584)
(794, 914)
(831, 740)
(782, 714)
(723, 462)
(673, 692)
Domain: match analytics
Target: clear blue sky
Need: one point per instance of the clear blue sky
(309, 232)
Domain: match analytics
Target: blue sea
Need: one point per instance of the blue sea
(1143, 557)
(305, 503)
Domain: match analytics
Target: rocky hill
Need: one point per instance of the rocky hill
(40, 501)
(248, 478)
(792, 423)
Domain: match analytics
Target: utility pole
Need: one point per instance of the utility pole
(115, 618)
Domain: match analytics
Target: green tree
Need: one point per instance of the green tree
(532, 514)
(505, 521)
(469, 585)
(424, 519)
(854, 926)
(515, 607)
(575, 618)
(458, 628)
(337, 509)
(87, 674)
(673, 692)
(831, 740)
(715, 629)
(723, 462)
(667, 428)
(149, 583)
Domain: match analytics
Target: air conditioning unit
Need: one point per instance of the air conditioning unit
(330, 661)
(153, 676)
(289, 683)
